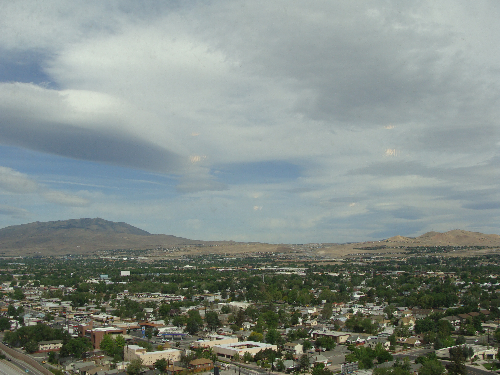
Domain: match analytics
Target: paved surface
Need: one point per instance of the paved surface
(7, 368)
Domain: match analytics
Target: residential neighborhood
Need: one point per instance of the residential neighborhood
(348, 318)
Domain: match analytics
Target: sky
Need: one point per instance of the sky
(268, 121)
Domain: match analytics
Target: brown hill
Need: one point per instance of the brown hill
(399, 239)
(459, 237)
(79, 236)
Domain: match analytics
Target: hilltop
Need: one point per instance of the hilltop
(79, 236)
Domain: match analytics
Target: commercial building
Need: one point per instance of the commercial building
(240, 348)
(149, 358)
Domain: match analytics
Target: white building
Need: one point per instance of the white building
(240, 348)
(215, 340)
(149, 358)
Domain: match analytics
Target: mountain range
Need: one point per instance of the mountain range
(84, 236)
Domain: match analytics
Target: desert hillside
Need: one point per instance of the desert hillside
(79, 236)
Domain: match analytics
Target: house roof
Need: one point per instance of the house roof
(200, 361)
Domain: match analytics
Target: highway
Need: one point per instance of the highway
(8, 368)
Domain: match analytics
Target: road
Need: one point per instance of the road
(7, 368)
(23, 366)
(17, 367)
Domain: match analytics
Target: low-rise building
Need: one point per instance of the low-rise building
(149, 358)
(50, 346)
(214, 340)
(240, 348)
(294, 348)
(201, 364)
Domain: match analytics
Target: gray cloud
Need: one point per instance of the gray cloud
(40, 120)
(360, 64)
(494, 205)
(14, 212)
(462, 138)
(407, 213)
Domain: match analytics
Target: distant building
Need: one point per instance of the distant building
(125, 273)
(240, 348)
(50, 346)
(201, 364)
(214, 340)
(97, 334)
(149, 358)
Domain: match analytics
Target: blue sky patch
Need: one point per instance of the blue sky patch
(24, 66)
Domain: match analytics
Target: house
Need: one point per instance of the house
(289, 365)
(421, 313)
(201, 364)
(464, 317)
(356, 340)
(407, 321)
(339, 337)
(413, 342)
(372, 342)
(454, 320)
(294, 348)
(49, 346)
(320, 358)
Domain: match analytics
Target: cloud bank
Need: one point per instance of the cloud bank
(338, 122)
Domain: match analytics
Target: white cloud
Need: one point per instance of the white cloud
(16, 182)
(65, 199)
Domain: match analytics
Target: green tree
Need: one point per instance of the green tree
(135, 367)
(327, 311)
(457, 359)
(382, 354)
(113, 346)
(31, 346)
(76, 347)
(306, 345)
(328, 343)
(247, 357)
(431, 367)
(280, 365)
(304, 363)
(256, 336)
(192, 326)
(17, 294)
(424, 325)
(11, 311)
(4, 324)
(161, 364)
(460, 340)
(52, 358)
(212, 319)
(273, 337)
(319, 369)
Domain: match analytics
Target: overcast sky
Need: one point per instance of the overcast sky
(271, 121)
